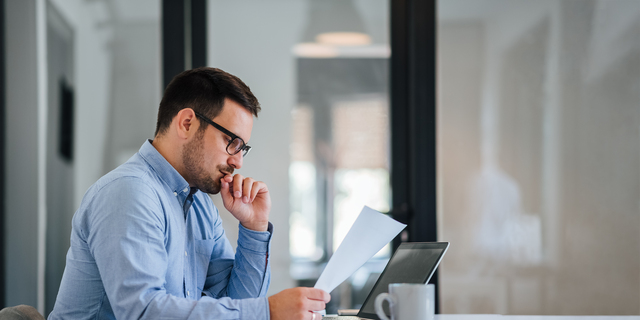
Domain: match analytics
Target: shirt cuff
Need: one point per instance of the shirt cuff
(257, 241)
(257, 308)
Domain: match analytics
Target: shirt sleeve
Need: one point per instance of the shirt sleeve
(127, 237)
(246, 276)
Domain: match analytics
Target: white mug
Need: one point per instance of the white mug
(408, 301)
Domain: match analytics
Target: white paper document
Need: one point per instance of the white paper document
(370, 233)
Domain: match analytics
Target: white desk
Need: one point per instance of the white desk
(509, 317)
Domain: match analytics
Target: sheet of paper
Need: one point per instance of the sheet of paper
(370, 233)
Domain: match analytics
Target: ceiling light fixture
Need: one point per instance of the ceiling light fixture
(344, 38)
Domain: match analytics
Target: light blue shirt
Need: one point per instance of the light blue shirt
(146, 246)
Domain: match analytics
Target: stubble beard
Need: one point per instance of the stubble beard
(193, 160)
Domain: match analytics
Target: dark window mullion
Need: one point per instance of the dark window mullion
(198, 33)
(413, 119)
(173, 51)
(422, 73)
(399, 113)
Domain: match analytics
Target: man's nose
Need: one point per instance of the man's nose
(235, 160)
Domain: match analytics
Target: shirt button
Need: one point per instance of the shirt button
(185, 253)
(175, 193)
(185, 189)
(187, 293)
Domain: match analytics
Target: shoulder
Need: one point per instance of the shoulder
(132, 179)
(125, 194)
(124, 186)
(135, 171)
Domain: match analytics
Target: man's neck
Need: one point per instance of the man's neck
(171, 154)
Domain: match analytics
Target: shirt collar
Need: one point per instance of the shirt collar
(165, 171)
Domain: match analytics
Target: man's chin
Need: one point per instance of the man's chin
(211, 191)
(210, 188)
(215, 189)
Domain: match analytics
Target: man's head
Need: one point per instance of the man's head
(204, 90)
(204, 120)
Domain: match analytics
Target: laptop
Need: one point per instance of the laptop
(413, 262)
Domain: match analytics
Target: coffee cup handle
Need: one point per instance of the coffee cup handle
(378, 305)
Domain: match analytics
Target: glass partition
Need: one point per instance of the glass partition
(539, 156)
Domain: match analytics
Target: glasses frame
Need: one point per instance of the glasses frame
(245, 147)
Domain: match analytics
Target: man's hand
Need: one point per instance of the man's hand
(247, 200)
(298, 303)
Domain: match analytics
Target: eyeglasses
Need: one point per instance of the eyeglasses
(235, 145)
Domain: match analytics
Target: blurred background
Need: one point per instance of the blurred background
(537, 128)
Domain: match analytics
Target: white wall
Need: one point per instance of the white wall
(59, 171)
(91, 86)
(136, 88)
(93, 65)
(21, 154)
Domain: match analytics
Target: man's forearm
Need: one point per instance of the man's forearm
(248, 275)
(251, 274)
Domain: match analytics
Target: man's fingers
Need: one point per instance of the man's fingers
(247, 185)
(316, 305)
(297, 303)
(225, 191)
(245, 189)
(236, 184)
(258, 186)
(318, 294)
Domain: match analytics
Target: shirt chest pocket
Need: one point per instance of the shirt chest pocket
(203, 249)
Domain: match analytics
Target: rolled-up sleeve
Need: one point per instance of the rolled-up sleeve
(252, 264)
(245, 276)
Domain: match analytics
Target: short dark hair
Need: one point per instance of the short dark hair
(203, 90)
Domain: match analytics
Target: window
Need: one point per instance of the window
(539, 157)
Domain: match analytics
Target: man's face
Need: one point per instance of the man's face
(205, 157)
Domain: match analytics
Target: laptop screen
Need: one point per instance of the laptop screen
(413, 262)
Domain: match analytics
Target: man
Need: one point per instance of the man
(148, 243)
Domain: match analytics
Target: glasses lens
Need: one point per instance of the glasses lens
(235, 146)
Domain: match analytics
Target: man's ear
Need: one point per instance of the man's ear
(185, 123)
